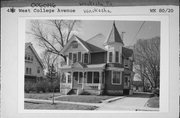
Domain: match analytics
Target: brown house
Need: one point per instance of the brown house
(98, 66)
(34, 68)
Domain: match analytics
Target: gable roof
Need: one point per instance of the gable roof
(114, 36)
(98, 43)
(91, 46)
(35, 53)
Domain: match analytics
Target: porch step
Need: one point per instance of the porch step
(72, 92)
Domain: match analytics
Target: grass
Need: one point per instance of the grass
(85, 98)
(153, 102)
(48, 106)
(44, 96)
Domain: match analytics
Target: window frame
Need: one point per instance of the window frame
(110, 55)
(112, 74)
(117, 56)
(85, 58)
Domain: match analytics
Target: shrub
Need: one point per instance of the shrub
(156, 92)
(29, 87)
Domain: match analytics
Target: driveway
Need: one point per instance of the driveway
(127, 103)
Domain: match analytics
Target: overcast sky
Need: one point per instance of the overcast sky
(90, 28)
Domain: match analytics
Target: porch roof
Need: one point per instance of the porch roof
(79, 66)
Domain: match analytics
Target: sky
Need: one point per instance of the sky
(89, 28)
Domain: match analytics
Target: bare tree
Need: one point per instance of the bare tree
(50, 61)
(53, 35)
(147, 60)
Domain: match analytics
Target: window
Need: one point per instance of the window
(70, 58)
(126, 81)
(28, 58)
(117, 56)
(79, 56)
(93, 77)
(38, 69)
(96, 77)
(74, 57)
(126, 65)
(116, 77)
(74, 44)
(25, 56)
(69, 77)
(89, 77)
(86, 56)
(28, 71)
(110, 56)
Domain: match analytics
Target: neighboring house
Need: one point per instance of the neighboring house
(33, 64)
(98, 66)
(138, 86)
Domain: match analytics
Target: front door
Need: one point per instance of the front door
(126, 82)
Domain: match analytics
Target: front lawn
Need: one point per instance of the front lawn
(48, 106)
(44, 96)
(153, 102)
(85, 98)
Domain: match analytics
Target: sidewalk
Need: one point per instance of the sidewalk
(78, 103)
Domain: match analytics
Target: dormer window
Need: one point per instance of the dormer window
(110, 56)
(74, 44)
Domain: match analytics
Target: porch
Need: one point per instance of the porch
(90, 78)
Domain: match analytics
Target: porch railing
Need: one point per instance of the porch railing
(95, 86)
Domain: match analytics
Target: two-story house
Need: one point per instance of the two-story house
(98, 66)
(34, 68)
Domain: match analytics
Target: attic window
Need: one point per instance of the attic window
(74, 44)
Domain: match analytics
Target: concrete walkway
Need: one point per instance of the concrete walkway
(128, 104)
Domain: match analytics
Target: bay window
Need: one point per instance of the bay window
(116, 77)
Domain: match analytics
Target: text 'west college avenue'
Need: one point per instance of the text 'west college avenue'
(45, 10)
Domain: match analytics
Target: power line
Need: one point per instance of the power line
(139, 29)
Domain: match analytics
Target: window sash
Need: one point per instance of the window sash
(116, 77)
(110, 56)
(74, 57)
(89, 77)
(79, 56)
(96, 77)
(117, 56)
(86, 56)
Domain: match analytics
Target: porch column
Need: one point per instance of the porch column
(67, 61)
(83, 81)
(100, 80)
(72, 79)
